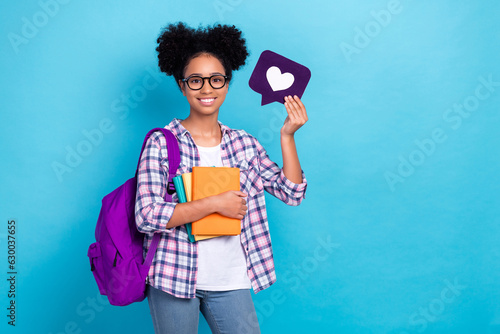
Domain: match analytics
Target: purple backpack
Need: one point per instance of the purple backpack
(116, 258)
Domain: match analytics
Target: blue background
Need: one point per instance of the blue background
(397, 241)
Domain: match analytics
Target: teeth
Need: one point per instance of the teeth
(207, 100)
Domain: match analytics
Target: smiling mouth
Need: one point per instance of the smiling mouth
(207, 101)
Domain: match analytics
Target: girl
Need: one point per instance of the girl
(213, 276)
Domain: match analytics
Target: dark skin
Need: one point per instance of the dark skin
(203, 126)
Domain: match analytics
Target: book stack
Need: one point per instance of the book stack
(204, 182)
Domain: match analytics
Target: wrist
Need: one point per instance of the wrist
(286, 137)
(211, 204)
(286, 133)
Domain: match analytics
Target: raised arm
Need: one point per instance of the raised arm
(288, 183)
(297, 116)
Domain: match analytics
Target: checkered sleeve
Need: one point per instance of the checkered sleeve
(276, 183)
(152, 213)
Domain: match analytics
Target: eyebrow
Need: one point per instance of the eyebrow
(200, 75)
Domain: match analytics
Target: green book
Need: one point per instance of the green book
(181, 194)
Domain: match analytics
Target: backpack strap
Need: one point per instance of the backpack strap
(174, 159)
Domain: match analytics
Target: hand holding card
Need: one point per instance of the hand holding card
(297, 115)
(275, 77)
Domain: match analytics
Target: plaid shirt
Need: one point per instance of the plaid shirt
(174, 268)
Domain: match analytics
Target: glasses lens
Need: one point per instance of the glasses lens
(195, 82)
(217, 81)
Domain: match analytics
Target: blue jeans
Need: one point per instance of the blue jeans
(228, 312)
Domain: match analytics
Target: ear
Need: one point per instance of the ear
(182, 87)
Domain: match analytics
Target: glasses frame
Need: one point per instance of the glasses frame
(203, 81)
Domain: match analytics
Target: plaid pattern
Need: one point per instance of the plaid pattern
(174, 267)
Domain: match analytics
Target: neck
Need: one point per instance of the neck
(204, 129)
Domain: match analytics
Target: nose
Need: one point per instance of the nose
(207, 88)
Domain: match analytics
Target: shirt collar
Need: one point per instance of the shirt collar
(178, 130)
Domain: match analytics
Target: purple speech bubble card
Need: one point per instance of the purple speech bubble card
(275, 77)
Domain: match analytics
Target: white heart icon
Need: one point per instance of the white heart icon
(278, 80)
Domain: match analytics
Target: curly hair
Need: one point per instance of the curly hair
(178, 44)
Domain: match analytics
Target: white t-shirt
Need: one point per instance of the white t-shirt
(222, 262)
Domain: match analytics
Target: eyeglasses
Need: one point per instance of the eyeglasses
(196, 82)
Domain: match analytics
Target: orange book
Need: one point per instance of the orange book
(208, 181)
(186, 178)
